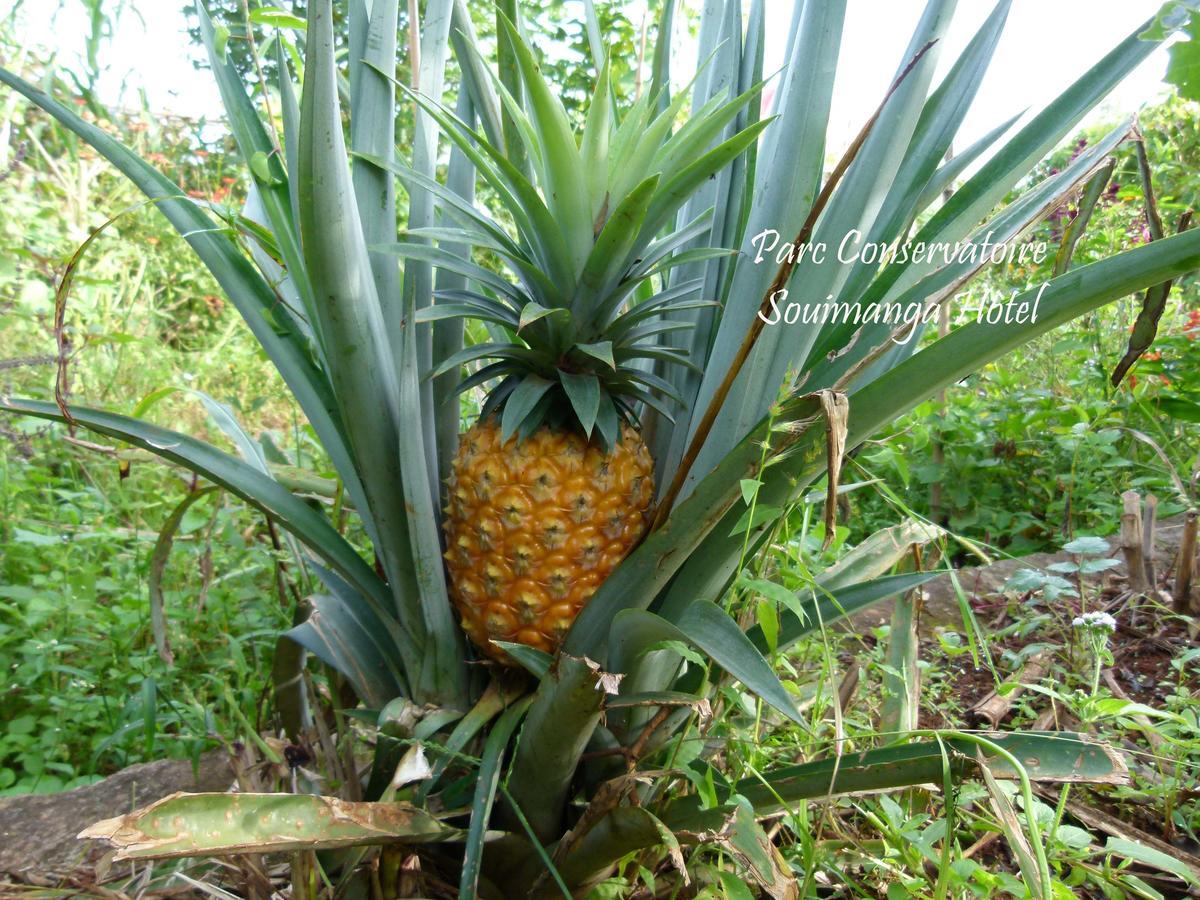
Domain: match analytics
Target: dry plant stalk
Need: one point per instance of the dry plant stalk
(1131, 542)
(994, 707)
(1185, 568)
(1149, 522)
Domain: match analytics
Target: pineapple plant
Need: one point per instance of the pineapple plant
(625, 379)
(553, 485)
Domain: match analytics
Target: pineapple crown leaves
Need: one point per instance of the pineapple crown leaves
(575, 332)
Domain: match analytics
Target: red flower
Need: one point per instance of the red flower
(1192, 329)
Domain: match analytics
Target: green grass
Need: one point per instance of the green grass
(85, 690)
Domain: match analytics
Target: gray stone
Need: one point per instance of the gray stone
(37, 832)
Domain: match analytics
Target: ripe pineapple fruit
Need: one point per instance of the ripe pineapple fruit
(552, 487)
(535, 526)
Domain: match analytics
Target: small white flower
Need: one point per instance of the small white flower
(1098, 621)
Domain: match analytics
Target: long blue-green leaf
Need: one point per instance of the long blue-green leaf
(790, 164)
(730, 71)
(944, 177)
(358, 24)
(350, 638)
(475, 73)
(745, 167)
(660, 80)
(510, 77)
(252, 226)
(443, 674)
(253, 298)
(939, 122)
(418, 276)
(239, 478)
(373, 133)
(490, 766)
(1046, 756)
(894, 151)
(361, 363)
(707, 627)
(254, 141)
(290, 114)
(742, 177)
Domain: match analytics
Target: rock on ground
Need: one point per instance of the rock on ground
(37, 833)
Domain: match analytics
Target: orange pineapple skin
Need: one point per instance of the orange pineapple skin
(534, 528)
